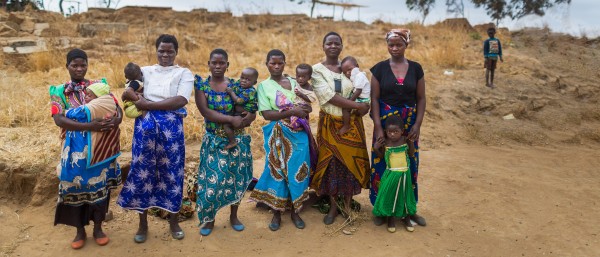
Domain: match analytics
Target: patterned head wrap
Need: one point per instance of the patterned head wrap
(402, 33)
(99, 89)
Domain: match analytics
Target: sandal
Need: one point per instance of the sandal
(408, 225)
(178, 235)
(102, 241)
(78, 244)
(328, 220)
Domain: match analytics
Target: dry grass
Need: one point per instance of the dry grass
(25, 97)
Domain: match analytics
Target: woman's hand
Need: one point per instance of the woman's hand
(378, 133)
(142, 104)
(299, 112)
(379, 143)
(363, 109)
(101, 124)
(248, 118)
(237, 122)
(413, 134)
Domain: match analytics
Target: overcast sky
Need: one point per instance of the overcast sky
(576, 19)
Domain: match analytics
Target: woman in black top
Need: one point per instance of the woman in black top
(397, 88)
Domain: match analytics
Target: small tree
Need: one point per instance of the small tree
(515, 9)
(422, 6)
(456, 7)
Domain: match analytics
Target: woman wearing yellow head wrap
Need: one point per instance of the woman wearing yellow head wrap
(86, 178)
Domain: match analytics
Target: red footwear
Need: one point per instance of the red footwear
(102, 240)
(78, 244)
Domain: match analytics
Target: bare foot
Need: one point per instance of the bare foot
(231, 144)
(343, 130)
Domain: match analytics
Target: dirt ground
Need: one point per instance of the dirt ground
(478, 201)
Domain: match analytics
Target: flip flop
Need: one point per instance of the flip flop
(140, 238)
(78, 244)
(328, 220)
(238, 228)
(102, 241)
(409, 227)
(205, 231)
(299, 224)
(178, 235)
(419, 220)
(274, 226)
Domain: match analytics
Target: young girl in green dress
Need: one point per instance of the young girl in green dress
(395, 197)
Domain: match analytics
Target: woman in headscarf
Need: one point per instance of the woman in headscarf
(88, 169)
(223, 174)
(284, 182)
(343, 162)
(158, 153)
(397, 88)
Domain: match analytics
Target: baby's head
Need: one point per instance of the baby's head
(96, 90)
(133, 72)
(248, 77)
(394, 127)
(303, 74)
(348, 63)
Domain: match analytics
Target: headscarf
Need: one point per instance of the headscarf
(76, 53)
(402, 33)
(99, 89)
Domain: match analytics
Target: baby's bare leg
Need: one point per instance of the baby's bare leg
(346, 120)
(230, 136)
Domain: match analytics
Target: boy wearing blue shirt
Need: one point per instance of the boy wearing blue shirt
(492, 50)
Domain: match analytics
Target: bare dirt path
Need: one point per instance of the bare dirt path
(479, 201)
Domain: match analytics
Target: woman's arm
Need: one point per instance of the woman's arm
(342, 102)
(69, 124)
(278, 115)
(213, 115)
(169, 104)
(376, 116)
(411, 148)
(415, 131)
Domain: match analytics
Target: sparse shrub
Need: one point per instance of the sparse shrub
(475, 35)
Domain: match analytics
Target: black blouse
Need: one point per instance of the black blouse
(393, 93)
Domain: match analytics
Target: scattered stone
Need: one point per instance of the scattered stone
(25, 46)
(28, 25)
(448, 72)
(15, 18)
(91, 29)
(38, 28)
(9, 29)
(509, 117)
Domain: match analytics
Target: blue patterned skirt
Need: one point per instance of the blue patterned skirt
(223, 175)
(157, 166)
(285, 179)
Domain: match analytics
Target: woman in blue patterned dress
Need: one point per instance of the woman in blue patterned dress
(223, 175)
(158, 152)
(84, 189)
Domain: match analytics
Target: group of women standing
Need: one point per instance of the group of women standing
(155, 180)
